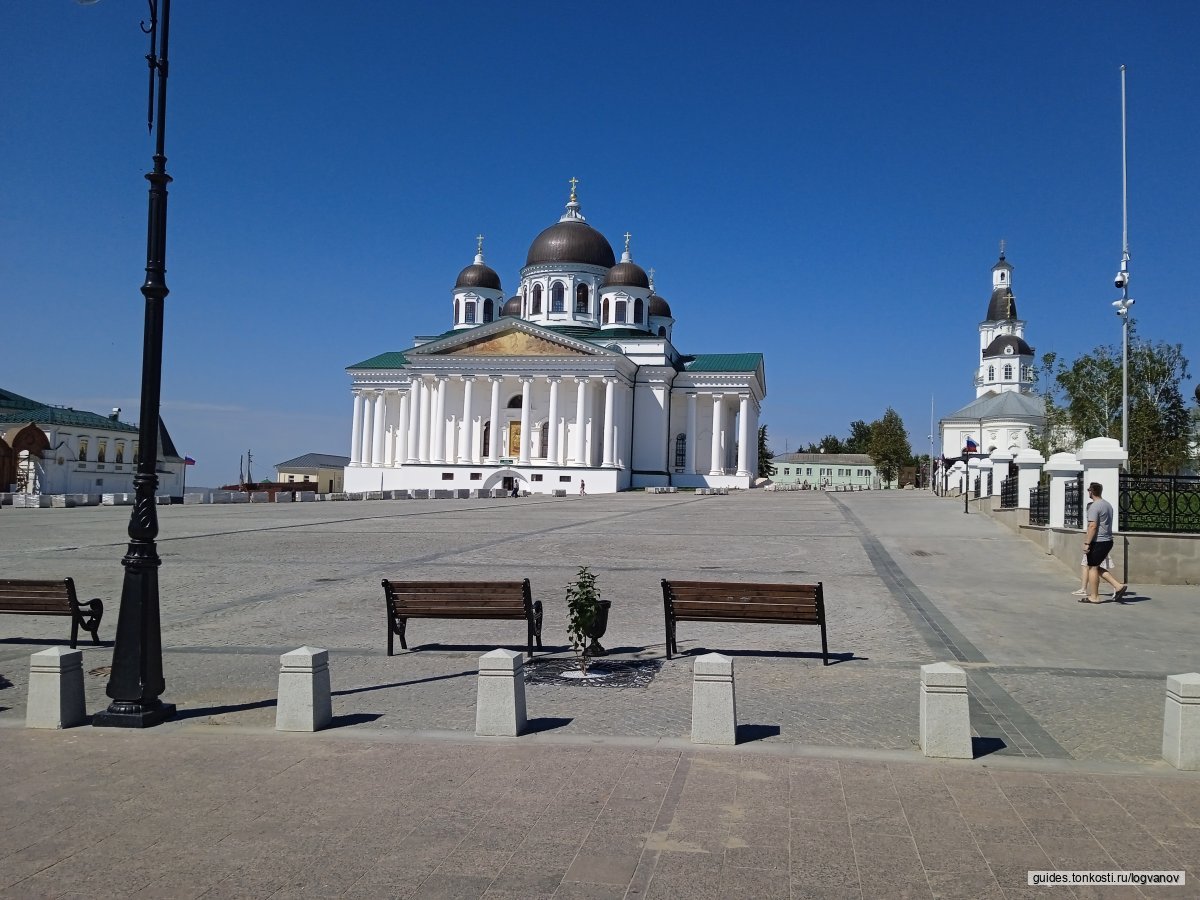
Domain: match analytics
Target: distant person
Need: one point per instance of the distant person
(1097, 544)
(515, 491)
(1083, 574)
(582, 488)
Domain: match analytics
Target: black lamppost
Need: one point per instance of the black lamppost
(137, 679)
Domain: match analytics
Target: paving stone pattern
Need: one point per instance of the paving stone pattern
(183, 814)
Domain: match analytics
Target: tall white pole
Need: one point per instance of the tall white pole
(1125, 301)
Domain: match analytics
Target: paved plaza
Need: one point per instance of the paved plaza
(826, 795)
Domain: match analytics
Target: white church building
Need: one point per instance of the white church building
(572, 383)
(1005, 409)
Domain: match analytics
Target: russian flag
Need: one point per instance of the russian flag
(188, 461)
(972, 447)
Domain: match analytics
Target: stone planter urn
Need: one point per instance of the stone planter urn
(596, 630)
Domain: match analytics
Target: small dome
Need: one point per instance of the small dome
(659, 307)
(511, 307)
(571, 241)
(1007, 345)
(627, 274)
(478, 275)
(1003, 305)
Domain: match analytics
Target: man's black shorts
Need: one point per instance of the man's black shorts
(1098, 552)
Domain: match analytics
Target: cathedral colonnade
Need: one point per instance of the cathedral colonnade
(448, 420)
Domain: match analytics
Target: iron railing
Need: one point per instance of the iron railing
(1073, 504)
(1008, 492)
(977, 487)
(1169, 503)
(1039, 505)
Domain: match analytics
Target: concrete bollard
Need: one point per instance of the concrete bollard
(945, 716)
(714, 704)
(304, 703)
(500, 707)
(55, 689)
(1181, 721)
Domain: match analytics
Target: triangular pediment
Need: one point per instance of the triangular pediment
(504, 339)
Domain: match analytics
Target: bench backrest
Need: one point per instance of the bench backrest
(43, 598)
(802, 604)
(459, 599)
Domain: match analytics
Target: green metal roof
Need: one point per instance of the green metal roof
(57, 415)
(9, 400)
(724, 362)
(393, 359)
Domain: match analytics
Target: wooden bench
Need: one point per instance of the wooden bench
(460, 600)
(716, 601)
(28, 597)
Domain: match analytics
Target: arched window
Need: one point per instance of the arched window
(537, 300)
(487, 310)
(544, 438)
(469, 313)
(581, 299)
(604, 318)
(621, 304)
(1008, 373)
(991, 373)
(662, 330)
(120, 452)
(83, 447)
(455, 312)
(1001, 276)
(637, 311)
(487, 439)
(515, 402)
(680, 450)
(101, 449)
(556, 297)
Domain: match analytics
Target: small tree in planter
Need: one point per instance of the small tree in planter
(587, 616)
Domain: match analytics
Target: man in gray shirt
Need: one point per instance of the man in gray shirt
(1097, 544)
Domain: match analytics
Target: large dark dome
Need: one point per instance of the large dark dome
(511, 307)
(1007, 345)
(660, 307)
(627, 274)
(478, 275)
(572, 241)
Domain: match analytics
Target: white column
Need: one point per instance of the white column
(1102, 460)
(356, 433)
(580, 412)
(609, 388)
(689, 445)
(465, 453)
(552, 428)
(414, 421)
(426, 403)
(403, 427)
(368, 443)
(716, 467)
(743, 435)
(493, 456)
(1029, 472)
(523, 459)
(439, 422)
(380, 430)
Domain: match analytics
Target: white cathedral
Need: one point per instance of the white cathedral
(1005, 409)
(572, 381)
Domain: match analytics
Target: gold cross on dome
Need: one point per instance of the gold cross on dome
(573, 181)
(627, 237)
(1001, 248)
(479, 242)
(651, 273)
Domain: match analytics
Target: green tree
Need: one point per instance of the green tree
(889, 445)
(860, 437)
(831, 443)
(765, 454)
(1083, 401)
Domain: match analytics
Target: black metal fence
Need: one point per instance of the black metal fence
(1039, 505)
(1169, 503)
(1073, 510)
(977, 487)
(1008, 492)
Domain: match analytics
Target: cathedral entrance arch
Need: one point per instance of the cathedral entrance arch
(506, 479)
(28, 445)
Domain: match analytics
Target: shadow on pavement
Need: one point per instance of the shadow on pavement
(200, 711)
(834, 658)
(545, 723)
(486, 648)
(986, 746)
(396, 684)
(746, 733)
(354, 719)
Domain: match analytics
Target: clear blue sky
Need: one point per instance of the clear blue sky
(825, 183)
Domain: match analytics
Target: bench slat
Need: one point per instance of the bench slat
(454, 587)
(36, 610)
(699, 607)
